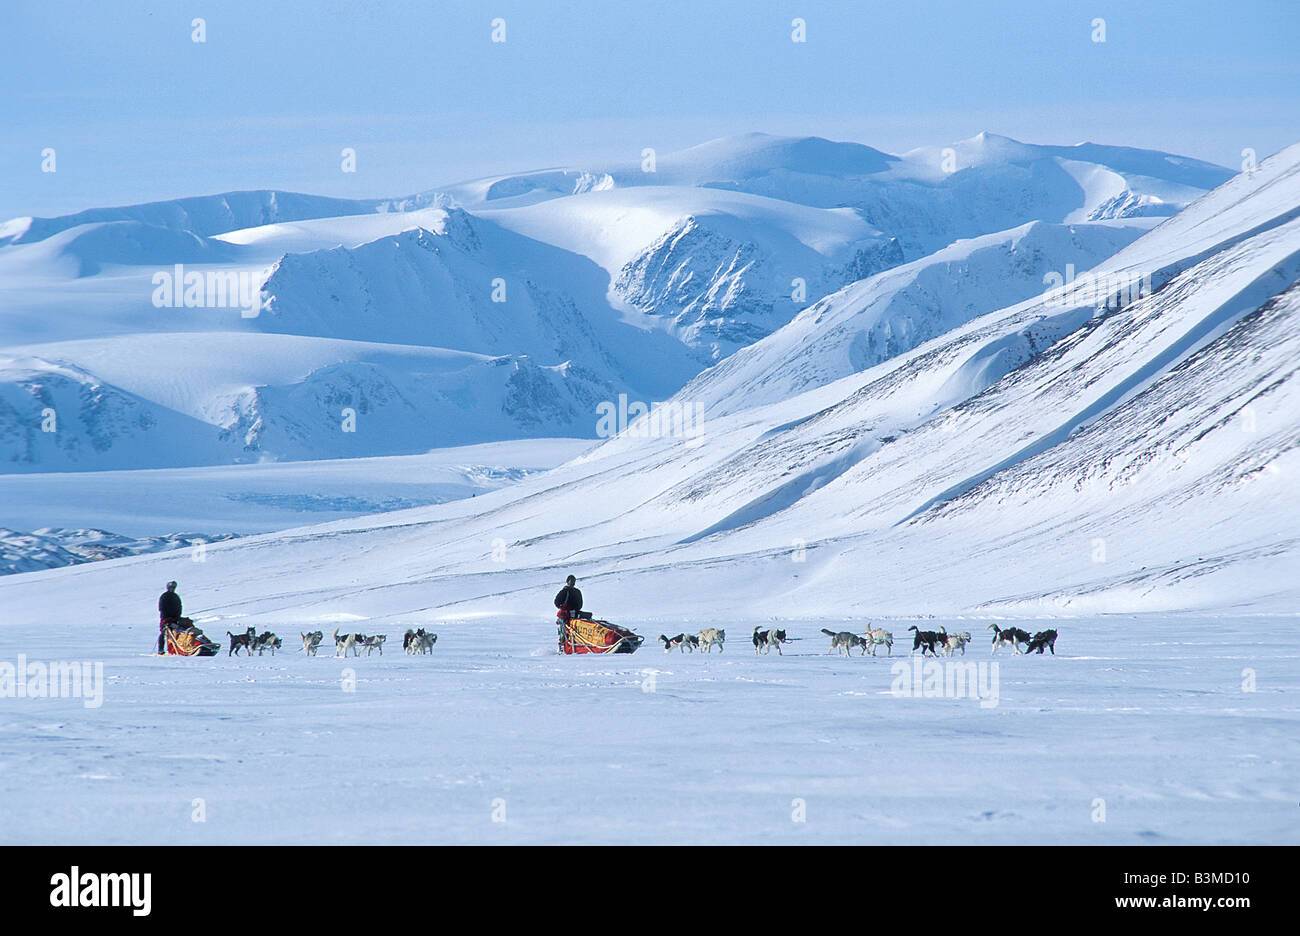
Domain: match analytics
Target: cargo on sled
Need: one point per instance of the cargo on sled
(182, 638)
(581, 633)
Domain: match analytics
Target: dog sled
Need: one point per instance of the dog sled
(182, 638)
(581, 633)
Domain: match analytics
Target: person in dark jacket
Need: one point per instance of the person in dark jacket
(569, 600)
(169, 611)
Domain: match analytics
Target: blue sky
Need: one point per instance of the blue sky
(136, 111)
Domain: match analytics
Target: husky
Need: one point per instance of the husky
(311, 642)
(267, 641)
(956, 642)
(927, 641)
(682, 642)
(877, 636)
(418, 641)
(1012, 637)
(244, 640)
(710, 636)
(1042, 640)
(765, 640)
(846, 641)
(374, 643)
(345, 643)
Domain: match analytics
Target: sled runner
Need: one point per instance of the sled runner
(584, 634)
(182, 638)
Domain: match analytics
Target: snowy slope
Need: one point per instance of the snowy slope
(882, 316)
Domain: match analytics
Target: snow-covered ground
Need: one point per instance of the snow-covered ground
(1143, 722)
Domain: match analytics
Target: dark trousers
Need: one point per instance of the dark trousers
(162, 627)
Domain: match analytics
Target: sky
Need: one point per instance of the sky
(136, 110)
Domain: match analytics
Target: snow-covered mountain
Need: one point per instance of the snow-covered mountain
(927, 198)
(51, 548)
(419, 324)
(880, 317)
(205, 215)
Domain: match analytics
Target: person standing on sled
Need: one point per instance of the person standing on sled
(169, 612)
(569, 600)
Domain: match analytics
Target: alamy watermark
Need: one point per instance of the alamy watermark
(1113, 290)
(210, 289)
(670, 420)
(79, 888)
(60, 679)
(951, 679)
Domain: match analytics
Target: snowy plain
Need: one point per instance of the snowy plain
(1138, 731)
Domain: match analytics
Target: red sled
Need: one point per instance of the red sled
(580, 634)
(182, 638)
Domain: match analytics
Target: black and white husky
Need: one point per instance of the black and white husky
(765, 640)
(845, 640)
(345, 643)
(1012, 637)
(682, 642)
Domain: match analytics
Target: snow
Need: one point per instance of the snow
(619, 281)
(1146, 714)
(1121, 471)
(884, 315)
(260, 498)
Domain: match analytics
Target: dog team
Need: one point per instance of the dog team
(930, 643)
(413, 642)
(933, 643)
(710, 637)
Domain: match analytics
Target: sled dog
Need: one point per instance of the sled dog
(927, 641)
(267, 641)
(1012, 637)
(710, 636)
(345, 643)
(682, 642)
(845, 640)
(877, 636)
(765, 640)
(244, 641)
(418, 641)
(1043, 639)
(956, 642)
(374, 643)
(311, 642)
